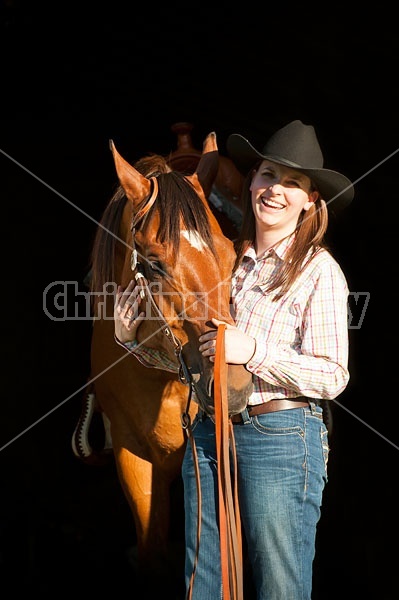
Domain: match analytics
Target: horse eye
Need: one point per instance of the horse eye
(155, 267)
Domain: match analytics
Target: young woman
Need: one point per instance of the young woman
(289, 298)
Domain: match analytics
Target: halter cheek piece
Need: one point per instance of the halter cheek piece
(139, 216)
(184, 373)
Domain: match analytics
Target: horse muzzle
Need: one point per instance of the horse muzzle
(239, 389)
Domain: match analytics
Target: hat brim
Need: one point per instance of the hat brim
(336, 189)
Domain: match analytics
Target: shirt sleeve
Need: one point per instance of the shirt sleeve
(149, 357)
(316, 364)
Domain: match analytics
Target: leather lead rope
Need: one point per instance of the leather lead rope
(229, 512)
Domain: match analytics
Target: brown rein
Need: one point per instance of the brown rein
(229, 512)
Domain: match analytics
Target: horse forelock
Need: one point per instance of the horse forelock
(179, 207)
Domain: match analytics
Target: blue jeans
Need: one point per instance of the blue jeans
(282, 471)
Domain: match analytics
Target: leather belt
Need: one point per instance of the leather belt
(273, 406)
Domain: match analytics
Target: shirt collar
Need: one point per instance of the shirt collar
(280, 249)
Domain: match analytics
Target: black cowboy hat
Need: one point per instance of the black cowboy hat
(295, 146)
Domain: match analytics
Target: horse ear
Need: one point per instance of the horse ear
(135, 185)
(208, 164)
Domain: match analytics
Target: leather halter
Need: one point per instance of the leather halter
(144, 210)
(184, 373)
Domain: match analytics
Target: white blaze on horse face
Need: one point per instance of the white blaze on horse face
(194, 240)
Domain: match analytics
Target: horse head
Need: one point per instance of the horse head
(176, 248)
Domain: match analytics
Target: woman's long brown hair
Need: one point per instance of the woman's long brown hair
(309, 239)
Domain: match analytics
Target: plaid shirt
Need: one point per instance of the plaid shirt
(301, 339)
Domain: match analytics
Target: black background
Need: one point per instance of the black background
(74, 75)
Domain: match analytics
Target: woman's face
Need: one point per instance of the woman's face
(279, 195)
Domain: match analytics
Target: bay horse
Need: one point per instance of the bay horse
(160, 218)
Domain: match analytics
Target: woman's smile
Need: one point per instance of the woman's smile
(272, 204)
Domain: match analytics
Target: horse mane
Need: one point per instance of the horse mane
(186, 207)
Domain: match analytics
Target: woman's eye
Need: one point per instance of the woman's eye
(267, 174)
(293, 183)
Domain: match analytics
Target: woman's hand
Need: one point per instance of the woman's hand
(127, 317)
(238, 346)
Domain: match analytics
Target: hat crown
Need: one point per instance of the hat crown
(295, 146)
(296, 143)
